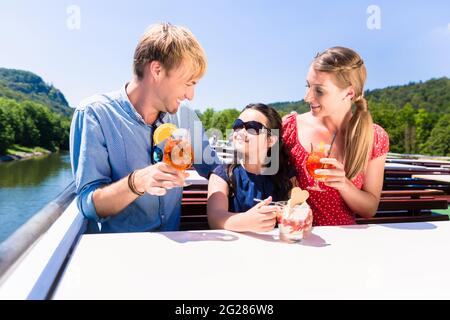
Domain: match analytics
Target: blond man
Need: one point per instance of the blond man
(119, 186)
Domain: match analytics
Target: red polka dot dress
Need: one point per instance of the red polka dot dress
(328, 206)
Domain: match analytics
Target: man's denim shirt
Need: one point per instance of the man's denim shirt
(108, 140)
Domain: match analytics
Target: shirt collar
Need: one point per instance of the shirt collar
(132, 112)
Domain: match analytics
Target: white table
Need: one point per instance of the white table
(409, 260)
(435, 177)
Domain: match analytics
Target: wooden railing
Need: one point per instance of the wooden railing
(403, 199)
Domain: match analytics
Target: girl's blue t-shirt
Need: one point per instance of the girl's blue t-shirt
(248, 187)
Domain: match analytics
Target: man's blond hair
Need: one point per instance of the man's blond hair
(170, 45)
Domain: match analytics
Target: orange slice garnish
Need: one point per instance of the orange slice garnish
(163, 132)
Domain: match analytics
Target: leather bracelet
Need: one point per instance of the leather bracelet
(132, 186)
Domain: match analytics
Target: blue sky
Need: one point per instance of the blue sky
(258, 50)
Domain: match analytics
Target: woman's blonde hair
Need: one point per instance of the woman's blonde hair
(170, 45)
(348, 69)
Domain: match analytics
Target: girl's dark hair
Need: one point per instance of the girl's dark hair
(281, 180)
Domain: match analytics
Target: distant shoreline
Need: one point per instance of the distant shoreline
(23, 156)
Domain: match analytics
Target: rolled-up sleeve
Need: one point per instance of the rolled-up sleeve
(89, 158)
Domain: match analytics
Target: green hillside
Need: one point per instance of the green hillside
(432, 95)
(286, 107)
(23, 85)
(33, 114)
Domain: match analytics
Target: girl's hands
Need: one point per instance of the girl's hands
(261, 217)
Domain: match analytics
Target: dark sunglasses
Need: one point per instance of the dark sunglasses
(252, 127)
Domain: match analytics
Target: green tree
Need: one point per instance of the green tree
(231, 115)
(12, 115)
(219, 121)
(61, 132)
(31, 133)
(31, 124)
(387, 116)
(438, 142)
(6, 130)
(206, 118)
(424, 122)
(44, 121)
(408, 122)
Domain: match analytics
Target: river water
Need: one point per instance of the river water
(27, 186)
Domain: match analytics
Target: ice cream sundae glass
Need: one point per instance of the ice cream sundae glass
(295, 217)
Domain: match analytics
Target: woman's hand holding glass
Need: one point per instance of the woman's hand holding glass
(335, 174)
(313, 163)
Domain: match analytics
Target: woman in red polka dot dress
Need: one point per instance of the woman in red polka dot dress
(335, 82)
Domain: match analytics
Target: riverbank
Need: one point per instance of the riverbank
(17, 152)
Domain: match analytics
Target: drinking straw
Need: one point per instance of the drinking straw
(332, 142)
(331, 147)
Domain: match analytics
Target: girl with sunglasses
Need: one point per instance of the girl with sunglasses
(335, 84)
(232, 189)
